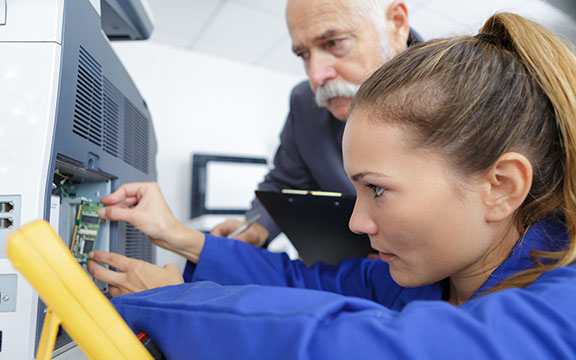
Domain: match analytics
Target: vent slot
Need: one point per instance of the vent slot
(112, 101)
(106, 118)
(138, 245)
(136, 138)
(88, 104)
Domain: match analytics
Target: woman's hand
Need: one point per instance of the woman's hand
(142, 205)
(133, 275)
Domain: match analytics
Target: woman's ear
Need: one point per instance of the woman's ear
(509, 181)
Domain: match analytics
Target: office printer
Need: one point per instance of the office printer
(73, 127)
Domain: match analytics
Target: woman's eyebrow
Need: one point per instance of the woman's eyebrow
(358, 176)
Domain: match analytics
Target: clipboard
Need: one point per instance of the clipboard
(316, 222)
(73, 300)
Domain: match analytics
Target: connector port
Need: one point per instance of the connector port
(6, 206)
(6, 223)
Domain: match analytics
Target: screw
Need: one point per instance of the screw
(5, 298)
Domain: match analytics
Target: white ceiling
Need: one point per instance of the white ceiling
(254, 31)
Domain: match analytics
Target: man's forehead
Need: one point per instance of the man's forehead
(310, 20)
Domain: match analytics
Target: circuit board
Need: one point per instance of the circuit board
(85, 230)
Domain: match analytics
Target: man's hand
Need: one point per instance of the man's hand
(256, 234)
(134, 275)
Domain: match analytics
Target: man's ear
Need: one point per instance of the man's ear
(509, 181)
(397, 25)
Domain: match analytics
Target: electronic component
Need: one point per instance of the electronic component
(85, 230)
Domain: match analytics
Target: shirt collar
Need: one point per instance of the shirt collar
(547, 235)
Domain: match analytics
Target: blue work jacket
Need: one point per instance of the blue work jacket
(353, 310)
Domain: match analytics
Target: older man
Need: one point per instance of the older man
(341, 43)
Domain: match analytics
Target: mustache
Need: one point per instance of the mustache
(333, 89)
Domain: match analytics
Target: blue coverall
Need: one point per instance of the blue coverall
(353, 310)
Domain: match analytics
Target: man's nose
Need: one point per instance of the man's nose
(321, 69)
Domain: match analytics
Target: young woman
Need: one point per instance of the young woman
(462, 152)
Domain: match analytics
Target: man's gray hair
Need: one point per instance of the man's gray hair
(375, 10)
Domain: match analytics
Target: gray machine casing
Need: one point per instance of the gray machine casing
(68, 106)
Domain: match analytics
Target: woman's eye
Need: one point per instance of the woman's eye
(378, 191)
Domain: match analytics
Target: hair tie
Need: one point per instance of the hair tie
(495, 40)
(489, 38)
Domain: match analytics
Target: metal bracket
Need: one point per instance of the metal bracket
(8, 290)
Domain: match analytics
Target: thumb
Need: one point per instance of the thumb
(172, 268)
(217, 231)
(222, 229)
(116, 213)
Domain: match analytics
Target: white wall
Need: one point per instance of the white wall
(201, 103)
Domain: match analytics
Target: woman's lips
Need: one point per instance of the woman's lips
(386, 257)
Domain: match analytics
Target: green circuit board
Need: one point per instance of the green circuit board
(85, 230)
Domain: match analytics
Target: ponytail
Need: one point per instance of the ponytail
(553, 67)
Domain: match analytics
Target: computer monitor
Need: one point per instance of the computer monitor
(224, 185)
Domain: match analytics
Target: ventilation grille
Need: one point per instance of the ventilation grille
(105, 117)
(135, 138)
(112, 100)
(88, 105)
(138, 245)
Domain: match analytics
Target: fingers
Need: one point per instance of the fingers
(173, 269)
(117, 261)
(107, 276)
(133, 275)
(121, 199)
(256, 235)
(219, 231)
(247, 237)
(116, 213)
(116, 197)
(226, 227)
(115, 291)
(126, 194)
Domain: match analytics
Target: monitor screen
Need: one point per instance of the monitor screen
(224, 184)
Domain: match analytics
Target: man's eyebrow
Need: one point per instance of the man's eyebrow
(330, 33)
(326, 35)
(360, 175)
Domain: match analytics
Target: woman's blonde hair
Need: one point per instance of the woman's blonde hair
(512, 87)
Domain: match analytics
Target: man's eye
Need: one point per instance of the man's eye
(304, 55)
(334, 42)
(378, 191)
(339, 47)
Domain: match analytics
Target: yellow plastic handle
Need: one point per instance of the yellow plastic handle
(88, 317)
